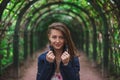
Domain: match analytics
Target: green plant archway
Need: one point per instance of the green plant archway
(95, 22)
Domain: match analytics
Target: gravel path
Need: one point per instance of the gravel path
(87, 72)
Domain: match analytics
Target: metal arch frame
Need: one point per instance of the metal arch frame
(53, 12)
(92, 22)
(58, 12)
(87, 42)
(87, 32)
(37, 11)
(94, 8)
(105, 33)
(25, 27)
(50, 16)
(117, 7)
(66, 14)
(16, 37)
(56, 4)
(15, 45)
(63, 11)
(17, 26)
(4, 3)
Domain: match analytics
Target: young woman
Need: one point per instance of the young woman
(61, 61)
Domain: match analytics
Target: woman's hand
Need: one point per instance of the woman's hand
(65, 58)
(50, 57)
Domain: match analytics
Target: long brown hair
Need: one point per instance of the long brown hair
(67, 36)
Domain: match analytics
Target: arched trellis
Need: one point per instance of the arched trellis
(50, 16)
(105, 33)
(95, 4)
(43, 14)
(41, 20)
(95, 38)
(3, 6)
(67, 10)
(92, 22)
(113, 45)
(36, 19)
(16, 39)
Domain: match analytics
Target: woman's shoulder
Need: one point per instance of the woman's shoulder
(42, 55)
(76, 59)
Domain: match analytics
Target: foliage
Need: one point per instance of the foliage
(69, 14)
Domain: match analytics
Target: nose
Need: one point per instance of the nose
(57, 40)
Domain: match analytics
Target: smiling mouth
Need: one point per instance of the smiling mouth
(57, 45)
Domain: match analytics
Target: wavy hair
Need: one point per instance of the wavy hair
(67, 36)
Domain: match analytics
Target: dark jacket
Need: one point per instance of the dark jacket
(46, 70)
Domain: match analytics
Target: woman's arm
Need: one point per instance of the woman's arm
(44, 68)
(71, 71)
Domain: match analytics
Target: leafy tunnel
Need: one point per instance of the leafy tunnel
(94, 26)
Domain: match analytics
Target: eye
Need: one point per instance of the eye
(61, 37)
(54, 37)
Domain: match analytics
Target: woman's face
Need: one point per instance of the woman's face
(56, 39)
